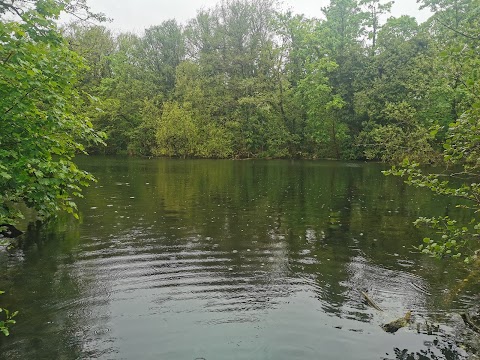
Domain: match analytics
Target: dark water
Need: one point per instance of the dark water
(224, 260)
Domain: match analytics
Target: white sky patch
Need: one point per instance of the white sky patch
(136, 15)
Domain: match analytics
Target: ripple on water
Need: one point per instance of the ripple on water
(199, 268)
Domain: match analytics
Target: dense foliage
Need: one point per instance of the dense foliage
(42, 125)
(245, 79)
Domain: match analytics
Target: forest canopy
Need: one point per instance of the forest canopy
(246, 79)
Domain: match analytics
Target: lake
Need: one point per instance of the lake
(217, 260)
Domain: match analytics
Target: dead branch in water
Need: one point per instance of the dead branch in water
(468, 321)
(370, 301)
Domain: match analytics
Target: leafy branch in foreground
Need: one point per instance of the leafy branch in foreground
(461, 149)
(7, 319)
(42, 130)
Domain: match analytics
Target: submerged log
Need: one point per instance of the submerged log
(394, 326)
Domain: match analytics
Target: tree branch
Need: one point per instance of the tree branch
(458, 31)
(17, 102)
(9, 56)
(12, 8)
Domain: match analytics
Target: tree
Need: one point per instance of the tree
(177, 132)
(41, 130)
(122, 98)
(323, 126)
(196, 91)
(401, 136)
(96, 45)
(163, 49)
(342, 33)
(375, 9)
(238, 74)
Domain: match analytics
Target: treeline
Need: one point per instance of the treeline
(245, 79)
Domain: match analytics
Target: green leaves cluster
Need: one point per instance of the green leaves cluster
(452, 239)
(6, 319)
(42, 127)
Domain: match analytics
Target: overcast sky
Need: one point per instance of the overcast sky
(136, 15)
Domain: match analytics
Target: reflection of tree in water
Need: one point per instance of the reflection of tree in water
(55, 318)
(232, 236)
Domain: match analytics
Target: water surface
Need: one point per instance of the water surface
(200, 259)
